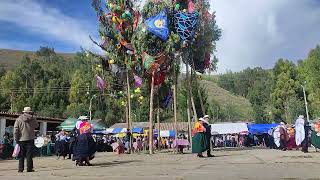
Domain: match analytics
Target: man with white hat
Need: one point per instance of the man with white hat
(208, 134)
(24, 135)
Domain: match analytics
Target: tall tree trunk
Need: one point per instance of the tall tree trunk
(129, 125)
(201, 103)
(189, 99)
(151, 116)
(190, 92)
(158, 122)
(175, 101)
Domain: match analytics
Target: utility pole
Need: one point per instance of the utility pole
(305, 100)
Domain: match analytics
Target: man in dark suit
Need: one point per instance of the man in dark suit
(208, 134)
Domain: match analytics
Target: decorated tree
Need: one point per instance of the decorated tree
(144, 47)
(118, 22)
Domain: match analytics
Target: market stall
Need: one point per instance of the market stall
(229, 128)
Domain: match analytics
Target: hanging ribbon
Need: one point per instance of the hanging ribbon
(159, 78)
(137, 81)
(101, 84)
(136, 20)
(190, 6)
(168, 99)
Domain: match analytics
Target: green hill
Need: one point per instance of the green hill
(9, 58)
(238, 107)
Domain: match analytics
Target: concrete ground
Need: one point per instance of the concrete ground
(236, 164)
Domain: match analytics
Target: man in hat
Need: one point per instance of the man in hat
(24, 135)
(208, 134)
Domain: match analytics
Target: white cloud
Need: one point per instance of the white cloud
(257, 33)
(46, 21)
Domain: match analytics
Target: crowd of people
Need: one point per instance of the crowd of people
(81, 144)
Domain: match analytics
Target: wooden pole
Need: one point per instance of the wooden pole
(189, 122)
(158, 121)
(199, 93)
(151, 116)
(190, 92)
(188, 105)
(175, 101)
(129, 125)
(201, 103)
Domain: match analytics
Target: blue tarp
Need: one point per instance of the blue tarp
(260, 128)
(137, 130)
(116, 130)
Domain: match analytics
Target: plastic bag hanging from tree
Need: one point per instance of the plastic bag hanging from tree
(101, 84)
(137, 81)
(158, 25)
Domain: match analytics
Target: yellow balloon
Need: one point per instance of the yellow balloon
(141, 98)
(111, 61)
(123, 103)
(137, 90)
(132, 96)
(114, 19)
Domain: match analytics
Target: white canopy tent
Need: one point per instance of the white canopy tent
(229, 128)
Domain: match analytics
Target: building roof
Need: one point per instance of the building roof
(14, 116)
(181, 126)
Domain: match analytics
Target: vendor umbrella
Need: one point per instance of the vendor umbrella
(70, 123)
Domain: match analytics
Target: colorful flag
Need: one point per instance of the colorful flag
(158, 25)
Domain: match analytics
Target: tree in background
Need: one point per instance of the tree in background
(309, 73)
(285, 87)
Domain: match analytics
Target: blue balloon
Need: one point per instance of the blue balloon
(158, 25)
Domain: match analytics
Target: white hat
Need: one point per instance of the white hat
(301, 117)
(206, 116)
(203, 120)
(27, 110)
(83, 118)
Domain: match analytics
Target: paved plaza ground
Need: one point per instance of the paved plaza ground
(228, 164)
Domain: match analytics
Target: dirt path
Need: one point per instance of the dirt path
(244, 164)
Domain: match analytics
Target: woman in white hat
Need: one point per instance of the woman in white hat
(199, 143)
(85, 146)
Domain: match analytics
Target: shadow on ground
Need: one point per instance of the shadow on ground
(114, 163)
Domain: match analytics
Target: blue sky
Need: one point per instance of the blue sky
(62, 24)
(255, 32)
